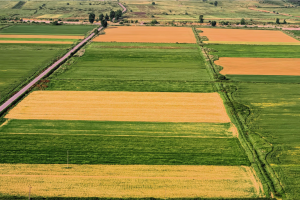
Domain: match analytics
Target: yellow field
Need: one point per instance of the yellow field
(35, 42)
(242, 35)
(50, 16)
(147, 34)
(43, 36)
(121, 106)
(120, 181)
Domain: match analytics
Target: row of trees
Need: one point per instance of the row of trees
(113, 15)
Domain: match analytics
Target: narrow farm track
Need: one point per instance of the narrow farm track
(49, 69)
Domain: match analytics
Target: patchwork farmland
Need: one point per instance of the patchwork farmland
(266, 98)
(147, 106)
(33, 51)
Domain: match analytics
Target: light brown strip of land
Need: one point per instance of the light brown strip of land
(35, 42)
(147, 34)
(121, 181)
(43, 36)
(260, 66)
(252, 43)
(50, 16)
(121, 106)
(239, 35)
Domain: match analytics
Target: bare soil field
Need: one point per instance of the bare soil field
(239, 35)
(122, 106)
(43, 36)
(35, 42)
(147, 34)
(260, 66)
(121, 181)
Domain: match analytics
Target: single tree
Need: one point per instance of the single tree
(153, 22)
(284, 21)
(106, 17)
(104, 23)
(92, 17)
(277, 21)
(213, 23)
(118, 14)
(153, 3)
(216, 3)
(112, 15)
(201, 19)
(101, 16)
(243, 22)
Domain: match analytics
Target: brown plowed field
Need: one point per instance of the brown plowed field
(43, 36)
(239, 35)
(35, 42)
(122, 106)
(147, 34)
(260, 66)
(119, 181)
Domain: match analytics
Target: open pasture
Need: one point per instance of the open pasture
(274, 126)
(121, 106)
(259, 66)
(145, 67)
(19, 61)
(47, 30)
(147, 34)
(235, 36)
(137, 181)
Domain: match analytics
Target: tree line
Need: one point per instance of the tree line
(104, 18)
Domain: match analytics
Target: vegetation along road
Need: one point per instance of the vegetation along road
(53, 66)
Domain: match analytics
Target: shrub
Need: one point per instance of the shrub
(154, 21)
(243, 21)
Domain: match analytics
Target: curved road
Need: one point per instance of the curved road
(53, 66)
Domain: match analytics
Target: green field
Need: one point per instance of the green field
(274, 127)
(297, 33)
(20, 61)
(255, 51)
(113, 143)
(143, 129)
(135, 67)
(48, 29)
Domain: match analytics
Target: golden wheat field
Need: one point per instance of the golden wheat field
(251, 36)
(121, 106)
(121, 181)
(147, 34)
(260, 66)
